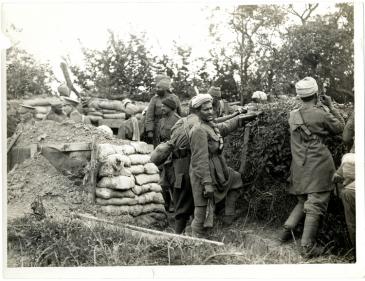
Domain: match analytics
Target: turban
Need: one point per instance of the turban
(159, 77)
(259, 95)
(198, 100)
(164, 83)
(306, 87)
(215, 92)
(170, 102)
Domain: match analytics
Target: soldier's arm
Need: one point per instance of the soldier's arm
(150, 115)
(349, 131)
(334, 121)
(225, 118)
(178, 107)
(200, 154)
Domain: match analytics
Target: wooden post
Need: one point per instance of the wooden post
(13, 141)
(93, 171)
(160, 234)
(244, 149)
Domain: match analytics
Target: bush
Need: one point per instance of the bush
(268, 167)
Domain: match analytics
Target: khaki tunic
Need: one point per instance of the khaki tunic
(154, 115)
(208, 165)
(167, 122)
(312, 164)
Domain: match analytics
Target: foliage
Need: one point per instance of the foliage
(25, 76)
(122, 69)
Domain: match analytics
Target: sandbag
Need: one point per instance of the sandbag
(160, 154)
(110, 104)
(119, 182)
(142, 147)
(46, 101)
(143, 179)
(150, 169)
(109, 111)
(106, 149)
(114, 115)
(134, 210)
(139, 159)
(348, 166)
(95, 113)
(106, 170)
(105, 129)
(107, 193)
(42, 109)
(94, 118)
(150, 197)
(136, 169)
(140, 189)
(128, 149)
(117, 201)
(40, 116)
(138, 116)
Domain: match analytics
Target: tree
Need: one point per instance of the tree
(121, 70)
(26, 76)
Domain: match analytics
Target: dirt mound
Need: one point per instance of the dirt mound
(66, 132)
(37, 177)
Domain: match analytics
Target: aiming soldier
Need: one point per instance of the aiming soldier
(312, 165)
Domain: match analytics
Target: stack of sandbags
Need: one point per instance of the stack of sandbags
(128, 183)
(39, 106)
(98, 109)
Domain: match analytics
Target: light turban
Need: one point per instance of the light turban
(306, 87)
(198, 100)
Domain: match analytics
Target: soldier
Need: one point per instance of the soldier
(218, 106)
(56, 113)
(154, 110)
(70, 109)
(170, 117)
(312, 165)
(211, 179)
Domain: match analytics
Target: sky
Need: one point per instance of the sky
(52, 30)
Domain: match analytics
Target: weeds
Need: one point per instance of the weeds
(72, 243)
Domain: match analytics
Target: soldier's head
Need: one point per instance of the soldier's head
(163, 86)
(203, 106)
(69, 105)
(307, 89)
(168, 105)
(57, 107)
(216, 94)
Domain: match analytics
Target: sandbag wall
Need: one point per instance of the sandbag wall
(97, 109)
(42, 106)
(128, 183)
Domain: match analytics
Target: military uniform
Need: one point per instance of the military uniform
(167, 174)
(312, 164)
(182, 192)
(154, 115)
(208, 166)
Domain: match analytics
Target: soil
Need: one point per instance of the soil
(37, 177)
(49, 131)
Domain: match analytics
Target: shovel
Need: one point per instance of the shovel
(209, 214)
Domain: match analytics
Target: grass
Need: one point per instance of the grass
(33, 243)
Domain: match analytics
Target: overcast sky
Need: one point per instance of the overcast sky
(51, 30)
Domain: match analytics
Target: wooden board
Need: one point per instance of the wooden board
(112, 123)
(68, 147)
(17, 155)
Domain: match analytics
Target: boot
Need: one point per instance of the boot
(309, 247)
(180, 225)
(230, 208)
(294, 218)
(197, 225)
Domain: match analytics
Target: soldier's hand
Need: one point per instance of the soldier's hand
(208, 191)
(240, 110)
(326, 100)
(336, 178)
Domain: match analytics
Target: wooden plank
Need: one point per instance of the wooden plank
(69, 146)
(112, 123)
(93, 171)
(158, 233)
(13, 141)
(244, 149)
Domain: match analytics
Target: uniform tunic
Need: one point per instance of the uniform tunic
(312, 164)
(167, 122)
(208, 165)
(154, 115)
